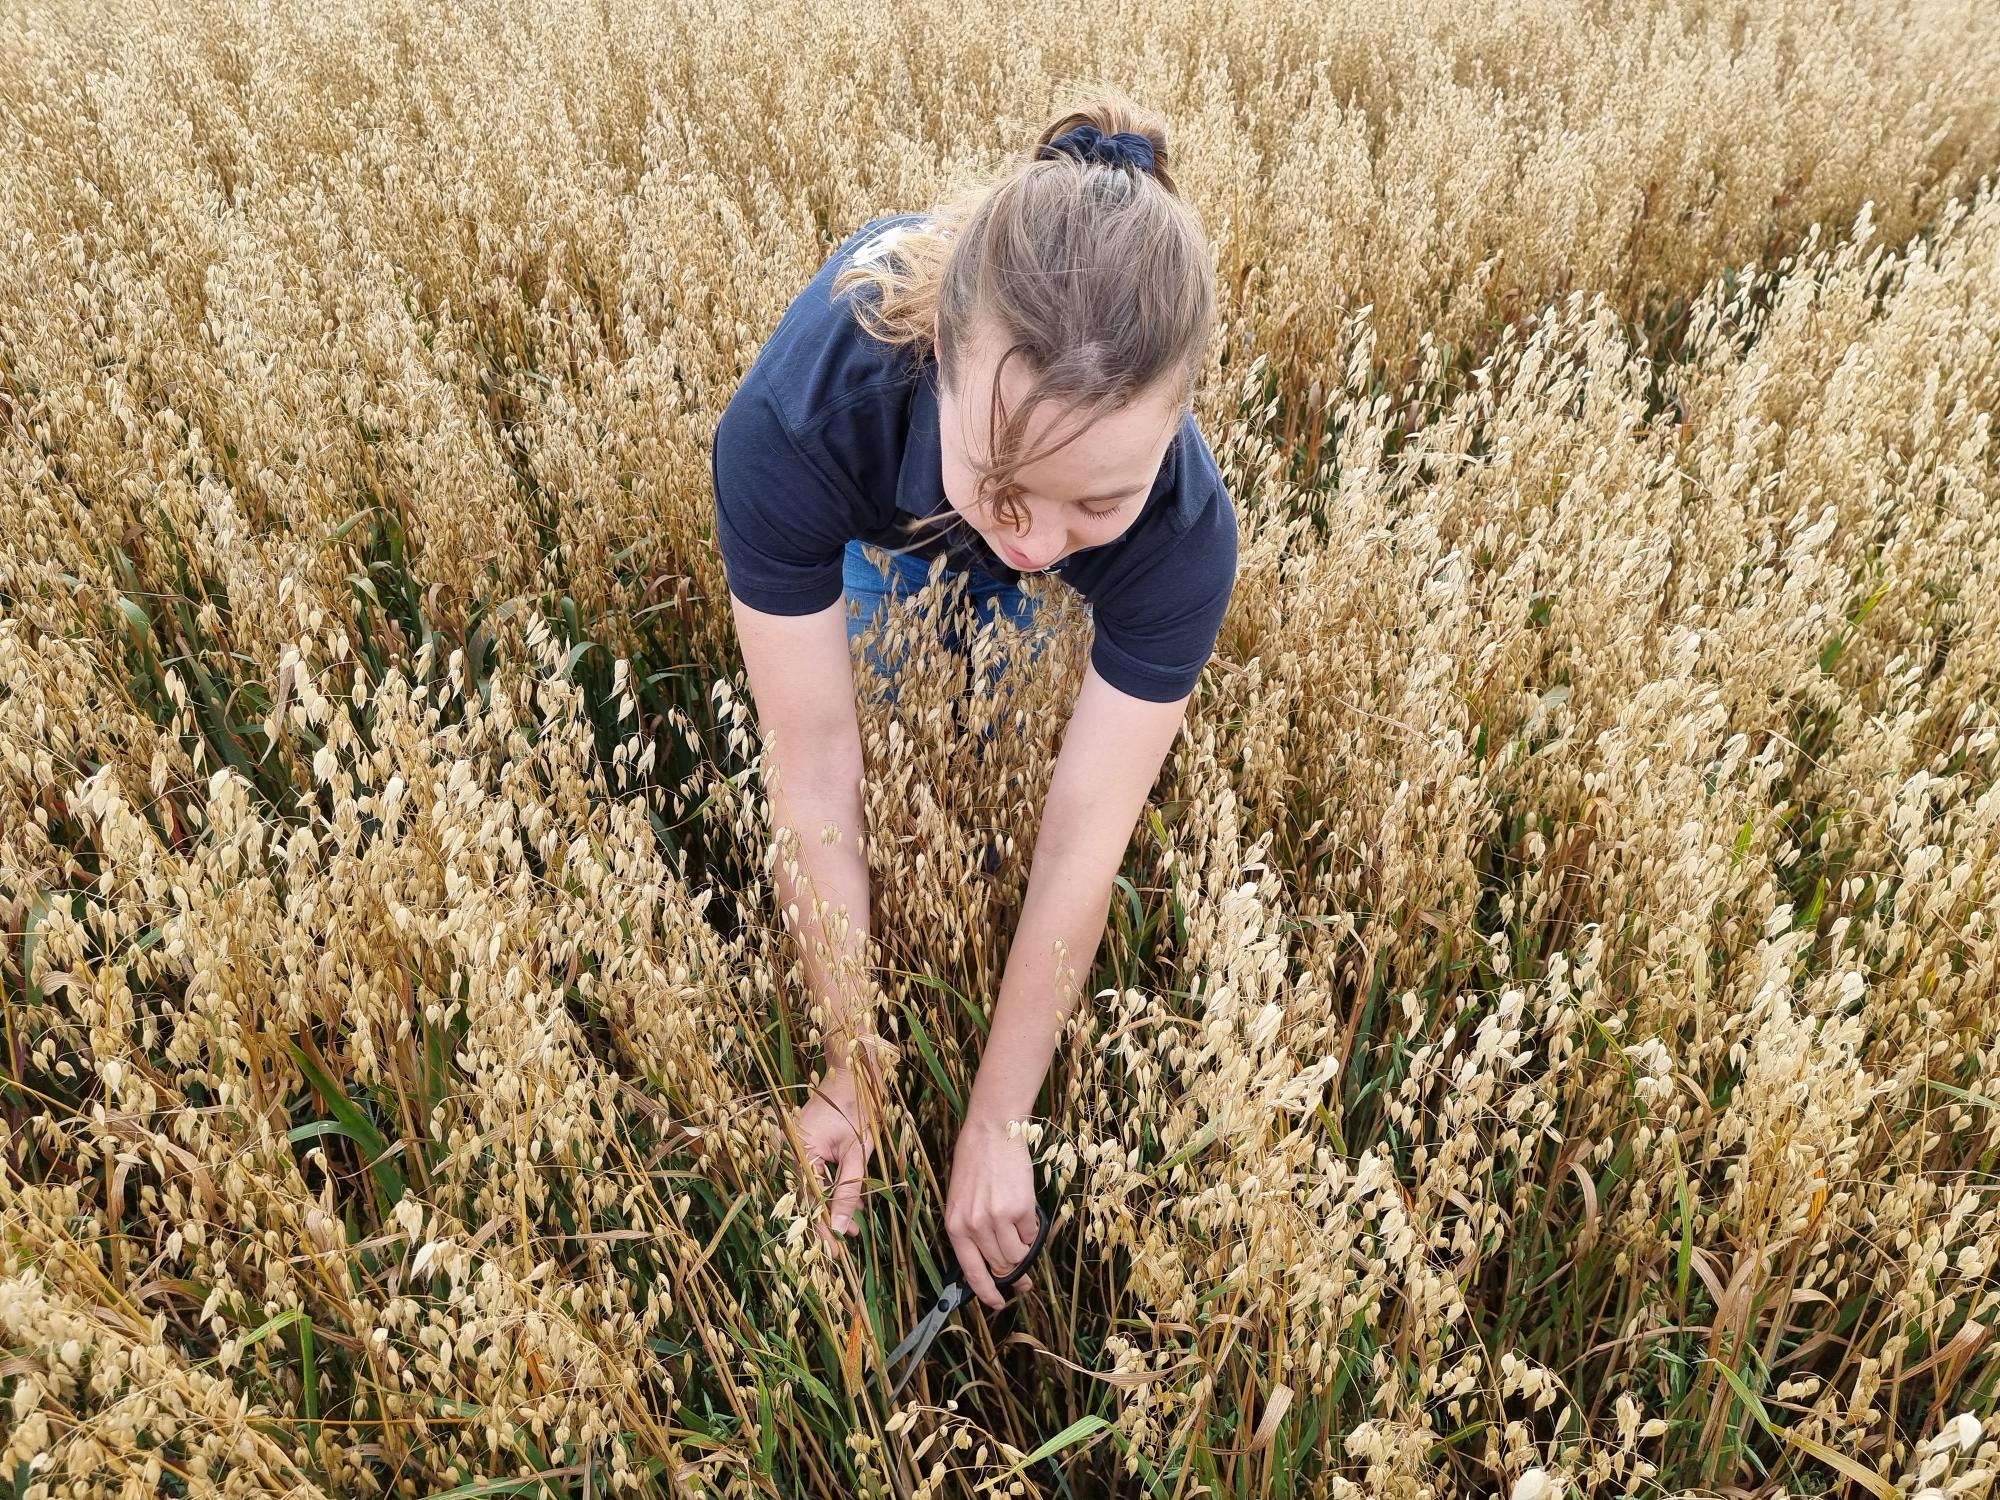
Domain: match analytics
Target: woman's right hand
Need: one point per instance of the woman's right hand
(836, 1127)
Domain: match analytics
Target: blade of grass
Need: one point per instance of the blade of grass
(355, 1125)
(1078, 1430)
(262, 1331)
(931, 1061)
(309, 1383)
(1874, 1483)
(533, 1486)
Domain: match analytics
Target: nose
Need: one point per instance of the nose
(1038, 547)
(1041, 556)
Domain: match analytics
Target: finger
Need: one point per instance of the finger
(820, 1173)
(998, 1261)
(972, 1266)
(823, 1230)
(818, 1200)
(847, 1192)
(1009, 1248)
(819, 1203)
(1027, 1227)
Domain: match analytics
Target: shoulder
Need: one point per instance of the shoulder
(1209, 537)
(819, 359)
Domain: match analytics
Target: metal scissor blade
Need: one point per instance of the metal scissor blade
(918, 1340)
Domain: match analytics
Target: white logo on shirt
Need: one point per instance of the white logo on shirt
(875, 249)
(870, 251)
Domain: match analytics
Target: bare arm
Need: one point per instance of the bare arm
(1111, 754)
(801, 681)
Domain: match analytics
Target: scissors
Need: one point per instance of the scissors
(955, 1295)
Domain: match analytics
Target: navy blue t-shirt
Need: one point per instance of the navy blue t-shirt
(833, 436)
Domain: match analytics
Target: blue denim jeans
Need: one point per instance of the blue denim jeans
(868, 587)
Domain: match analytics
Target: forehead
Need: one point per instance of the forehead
(1126, 438)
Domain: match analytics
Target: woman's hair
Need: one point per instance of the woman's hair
(1097, 275)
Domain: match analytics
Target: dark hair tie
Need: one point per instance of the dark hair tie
(1126, 148)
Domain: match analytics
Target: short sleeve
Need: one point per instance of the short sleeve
(781, 521)
(1157, 629)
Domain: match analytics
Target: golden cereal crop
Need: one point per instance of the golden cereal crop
(1545, 1039)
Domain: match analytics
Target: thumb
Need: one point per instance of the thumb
(847, 1192)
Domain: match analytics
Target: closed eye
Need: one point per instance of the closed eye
(1105, 510)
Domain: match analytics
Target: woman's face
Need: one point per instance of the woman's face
(1084, 496)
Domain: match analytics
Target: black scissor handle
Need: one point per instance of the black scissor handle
(1041, 1233)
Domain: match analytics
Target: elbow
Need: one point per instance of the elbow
(1080, 854)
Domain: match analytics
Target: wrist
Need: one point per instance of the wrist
(875, 1052)
(993, 1118)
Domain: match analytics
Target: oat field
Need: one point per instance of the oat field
(1547, 1040)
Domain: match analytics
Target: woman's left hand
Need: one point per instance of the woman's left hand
(990, 1211)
